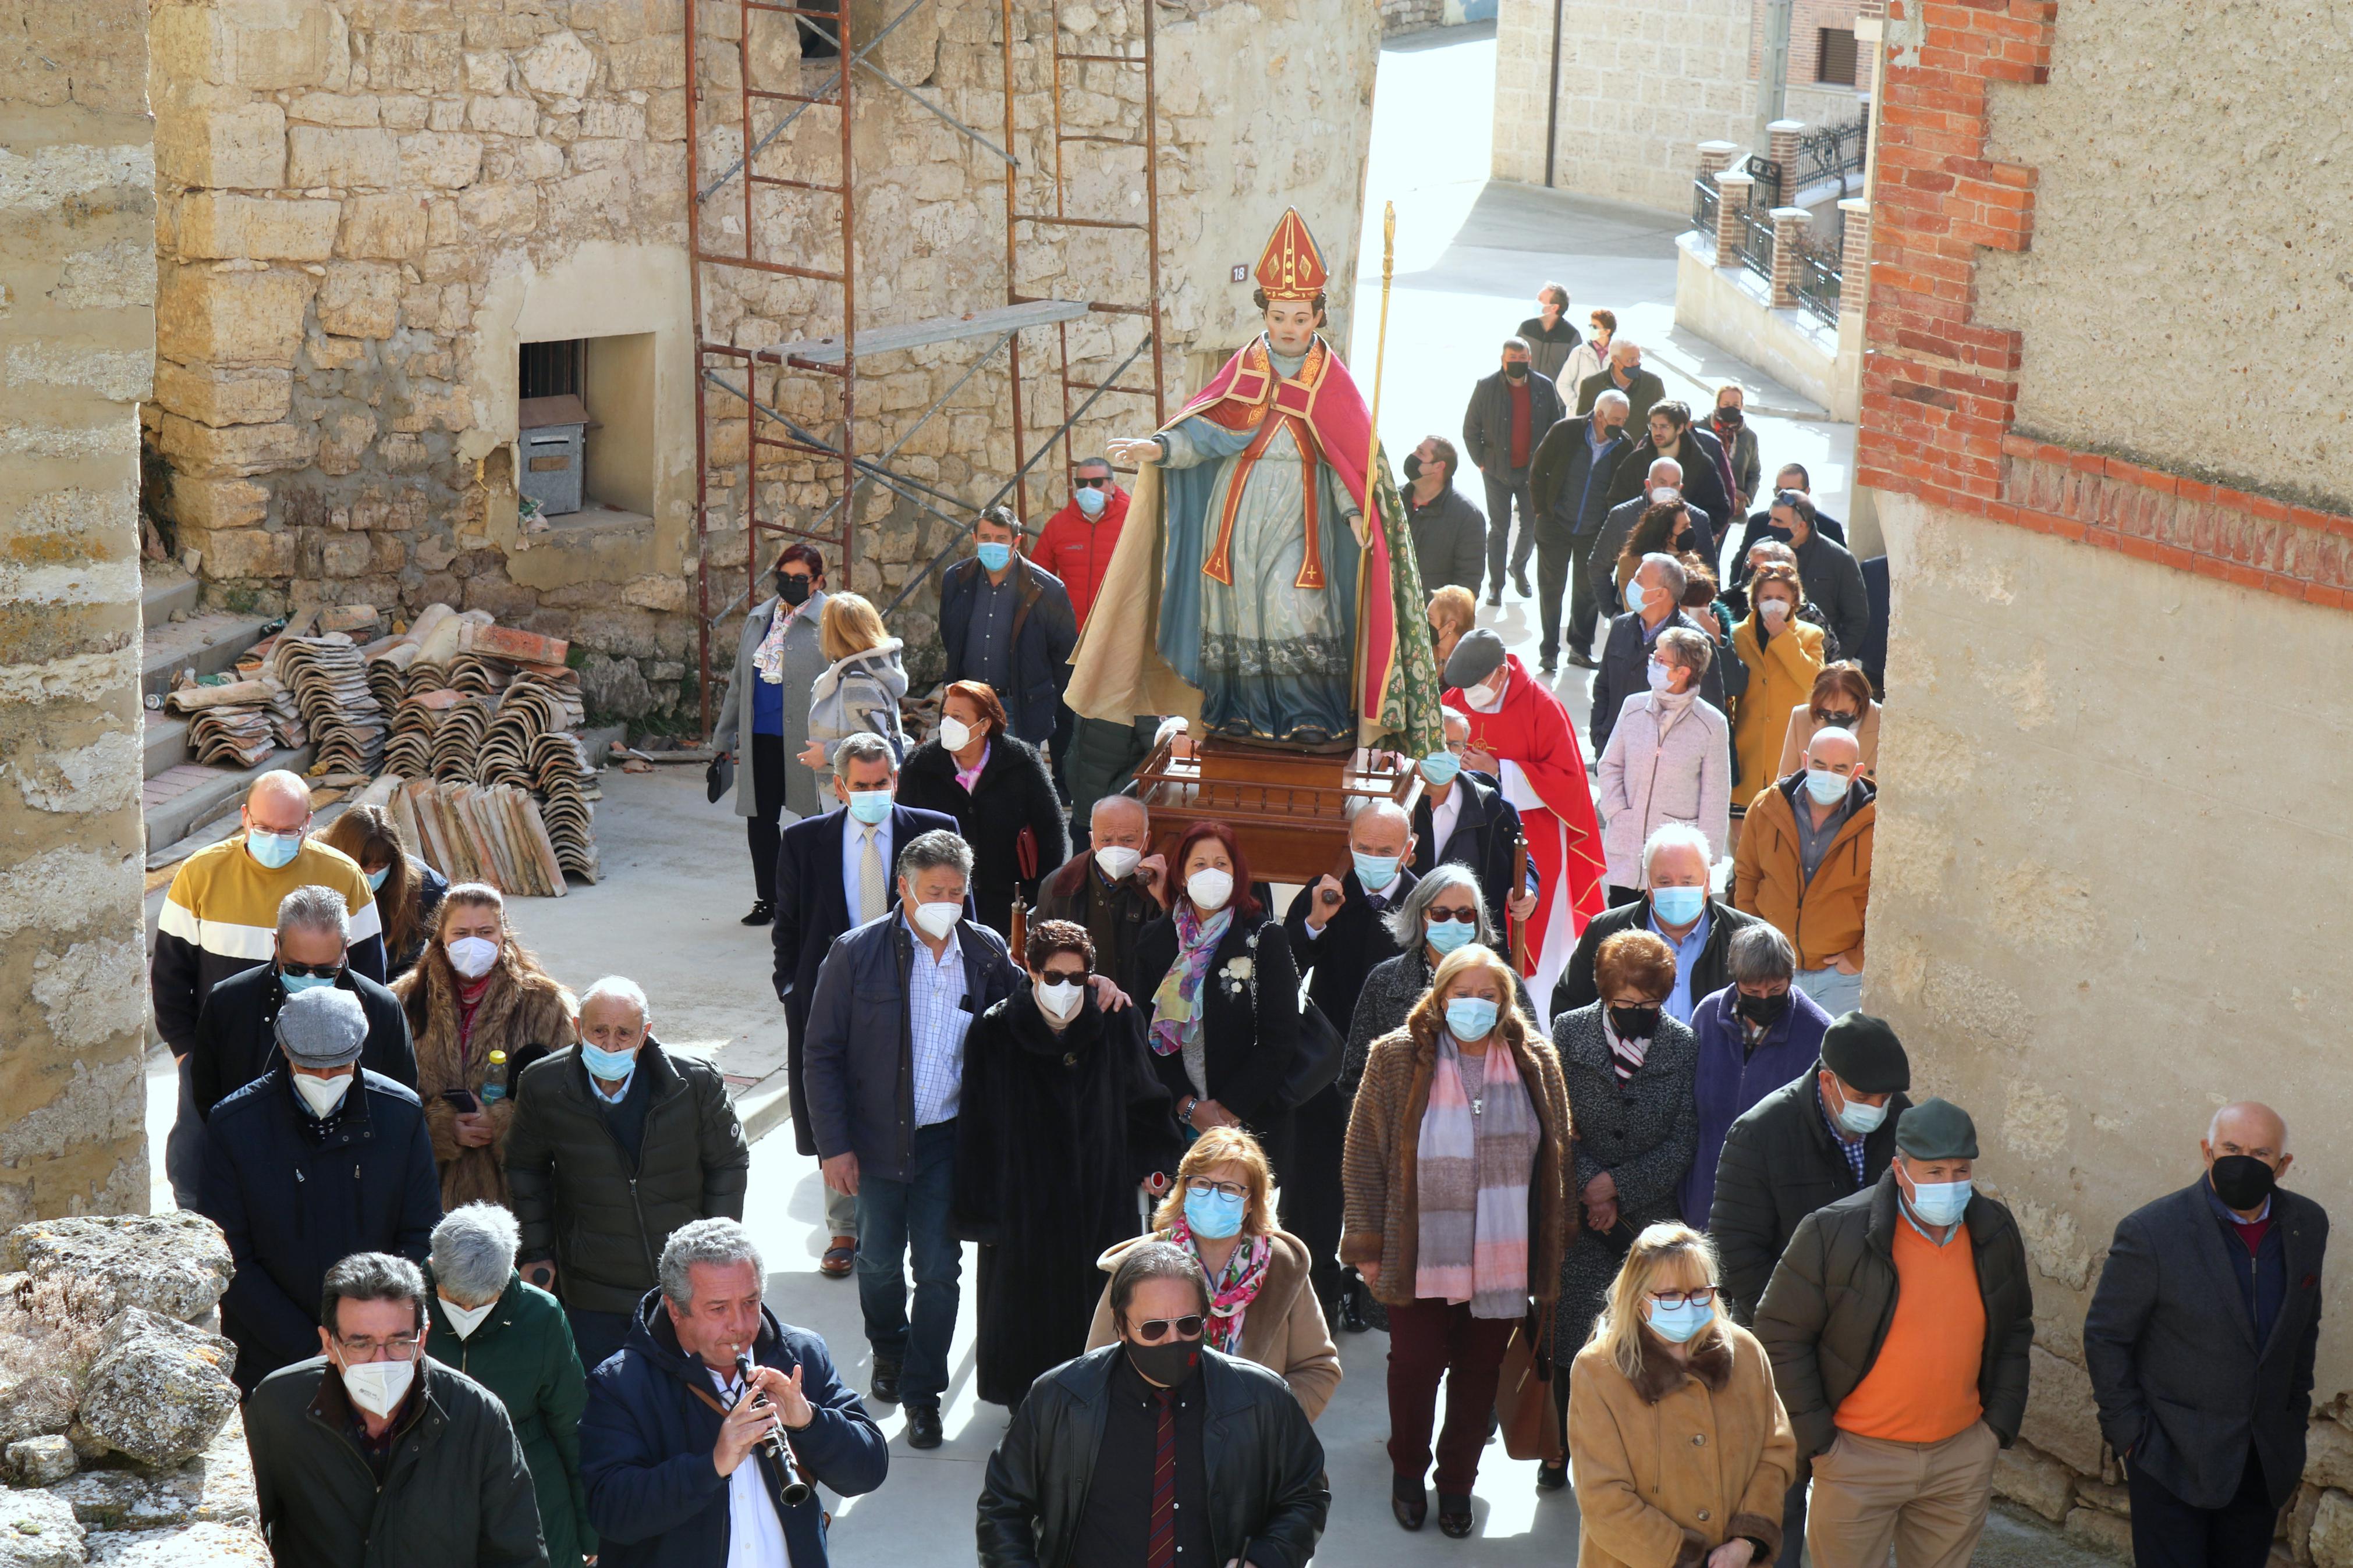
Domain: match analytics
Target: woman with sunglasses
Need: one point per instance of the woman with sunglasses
(1059, 1120)
(1457, 1171)
(1842, 700)
(1680, 1448)
(762, 721)
(1262, 1307)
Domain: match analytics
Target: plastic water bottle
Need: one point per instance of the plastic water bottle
(494, 1082)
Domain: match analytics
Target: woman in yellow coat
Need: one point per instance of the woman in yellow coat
(1783, 655)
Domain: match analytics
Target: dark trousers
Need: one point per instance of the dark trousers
(896, 1219)
(595, 1335)
(1560, 570)
(1793, 1526)
(1508, 488)
(2169, 1534)
(185, 1151)
(1428, 1341)
(1584, 599)
(766, 758)
(1058, 746)
(1312, 1204)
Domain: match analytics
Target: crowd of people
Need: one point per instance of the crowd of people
(1654, 1203)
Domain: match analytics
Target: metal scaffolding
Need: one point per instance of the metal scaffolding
(737, 382)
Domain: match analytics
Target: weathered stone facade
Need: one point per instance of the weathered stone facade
(77, 354)
(367, 205)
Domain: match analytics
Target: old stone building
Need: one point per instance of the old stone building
(2102, 419)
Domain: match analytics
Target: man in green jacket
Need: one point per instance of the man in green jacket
(371, 1454)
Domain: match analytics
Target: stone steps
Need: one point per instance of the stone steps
(183, 798)
(181, 795)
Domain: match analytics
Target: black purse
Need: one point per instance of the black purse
(1315, 1065)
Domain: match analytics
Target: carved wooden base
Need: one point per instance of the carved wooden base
(1288, 808)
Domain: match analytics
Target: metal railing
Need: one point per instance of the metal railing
(1821, 273)
(1830, 153)
(1705, 201)
(1756, 245)
(1766, 194)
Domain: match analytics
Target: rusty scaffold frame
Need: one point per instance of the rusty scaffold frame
(734, 371)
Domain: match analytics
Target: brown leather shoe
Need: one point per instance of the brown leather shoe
(840, 1258)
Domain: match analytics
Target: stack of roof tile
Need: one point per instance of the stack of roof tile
(472, 832)
(329, 685)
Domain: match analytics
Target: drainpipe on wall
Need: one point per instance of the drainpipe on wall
(1772, 73)
(1552, 100)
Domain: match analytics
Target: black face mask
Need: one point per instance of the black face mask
(1167, 1363)
(1516, 372)
(2242, 1182)
(1413, 465)
(1767, 1010)
(1728, 416)
(1635, 1023)
(793, 588)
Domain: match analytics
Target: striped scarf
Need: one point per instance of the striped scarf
(1472, 1172)
(1176, 1005)
(1625, 1054)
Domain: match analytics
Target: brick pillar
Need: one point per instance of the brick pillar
(1788, 223)
(1854, 259)
(1715, 155)
(1783, 149)
(1732, 200)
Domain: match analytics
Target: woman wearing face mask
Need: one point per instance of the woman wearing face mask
(1784, 656)
(1663, 529)
(1262, 1306)
(475, 991)
(1668, 761)
(859, 692)
(408, 892)
(997, 787)
(1840, 700)
(1681, 1447)
(1223, 1023)
(1631, 1070)
(1457, 1172)
(1060, 1119)
(513, 1338)
(761, 714)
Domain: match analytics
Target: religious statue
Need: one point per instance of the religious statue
(1256, 590)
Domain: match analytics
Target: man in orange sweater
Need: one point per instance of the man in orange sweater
(1898, 1322)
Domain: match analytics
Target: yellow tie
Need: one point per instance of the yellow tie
(869, 878)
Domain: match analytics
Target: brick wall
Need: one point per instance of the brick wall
(1807, 20)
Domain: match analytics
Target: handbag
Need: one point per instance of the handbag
(1524, 1410)
(718, 778)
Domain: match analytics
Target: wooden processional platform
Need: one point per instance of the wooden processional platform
(1289, 808)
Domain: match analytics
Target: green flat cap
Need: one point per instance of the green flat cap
(1936, 1129)
(1865, 1054)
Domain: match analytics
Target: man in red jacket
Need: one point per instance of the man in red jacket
(1077, 543)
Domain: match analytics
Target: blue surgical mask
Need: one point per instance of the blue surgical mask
(1213, 1214)
(607, 1064)
(1827, 787)
(1940, 1203)
(1448, 935)
(993, 557)
(297, 984)
(1439, 768)
(1678, 906)
(1091, 502)
(1470, 1017)
(1659, 677)
(1635, 597)
(375, 879)
(1857, 1118)
(274, 850)
(1678, 1323)
(1374, 872)
(870, 806)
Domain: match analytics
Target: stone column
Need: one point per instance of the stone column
(1854, 258)
(79, 335)
(1715, 155)
(1732, 191)
(1788, 223)
(1783, 149)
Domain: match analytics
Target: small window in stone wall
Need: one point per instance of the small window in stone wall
(584, 427)
(551, 369)
(1835, 58)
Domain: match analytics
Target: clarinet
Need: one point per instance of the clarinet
(793, 1490)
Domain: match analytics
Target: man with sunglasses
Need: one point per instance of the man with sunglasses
(1077, 542)
(1106, 1461)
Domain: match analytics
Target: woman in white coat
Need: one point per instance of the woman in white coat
(1669, 761)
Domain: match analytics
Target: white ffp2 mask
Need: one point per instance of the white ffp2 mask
(323, 1094)
(935, 920)
(379, 1386)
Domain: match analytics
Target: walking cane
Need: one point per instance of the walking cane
(1519, 885)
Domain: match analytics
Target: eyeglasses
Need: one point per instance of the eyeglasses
(392, 1349)
(310, 970)
(1086, 483)
(1203, 1186)
(1466, 915)
(1703, 1297)
(1151, 1331)
(1836, 719)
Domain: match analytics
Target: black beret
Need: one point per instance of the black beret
(1865, 1054)
(1936, 1129)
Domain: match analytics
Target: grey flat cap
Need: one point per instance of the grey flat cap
(1474, 659)
(321, 1027)
(1936, 1129)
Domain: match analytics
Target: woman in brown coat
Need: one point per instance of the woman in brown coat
(1261, 1306)
(474, 991)
(1457, 1176)
(1679, 1446)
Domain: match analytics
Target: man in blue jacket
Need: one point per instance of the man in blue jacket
(314, 1161)
(1007, 621)
(675, 1444)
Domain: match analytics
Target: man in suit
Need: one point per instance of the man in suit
(1464, 819)
(1570, 483)
(2199, 1344)
(1337, 933)
(1509, 413)
(1654, 599)
(825, 884)
(1625, 373)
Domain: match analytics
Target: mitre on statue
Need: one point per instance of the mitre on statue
(1292, 266)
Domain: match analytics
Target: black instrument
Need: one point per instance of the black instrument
(791, 1488)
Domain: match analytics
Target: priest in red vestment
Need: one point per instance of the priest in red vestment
(1515, 720)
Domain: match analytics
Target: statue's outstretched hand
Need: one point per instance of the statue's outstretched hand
(1138, 451)
(1364, 534)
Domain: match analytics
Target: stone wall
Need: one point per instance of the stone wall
(368, 205)
(1401, 17)
(76, 353)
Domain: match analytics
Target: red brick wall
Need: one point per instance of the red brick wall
(1940, 388)
(1807, 19)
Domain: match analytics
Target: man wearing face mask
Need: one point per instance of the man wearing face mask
(1804, 863)
(1077, 542)
(1756, 1034)
(217, 919)
(371, 1452)
(1569, 482)
(1109, 1461)
(1677, 907)
(1449, 534)
(833, 874)
(315, 1159)
(1654, 597)
(1009, 623)
(1898, 1323)
(1464, 819)
(1114, 888)
(2205, 1391)
(1509, 413)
